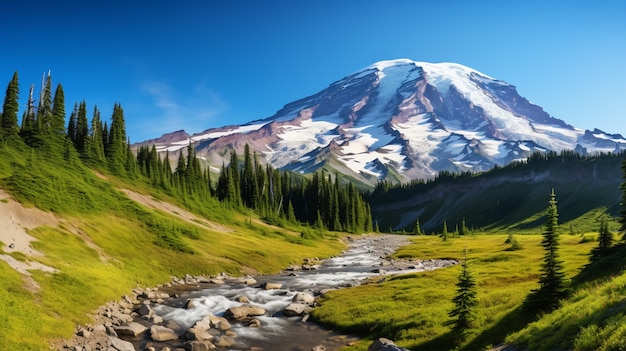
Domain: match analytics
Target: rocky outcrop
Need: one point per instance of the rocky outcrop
(383, 344)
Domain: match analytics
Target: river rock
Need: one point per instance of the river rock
(120, 345)
(160, 333)
(220, 323)
(318, 348)
(383, 344)
(295, 309)
(254, 323)
(199, 334)
(242, 299)
(130, 329)
(225, 341)
(145, 310)
(199, 346)
(304, 297)
(244, 311)
(271, 286)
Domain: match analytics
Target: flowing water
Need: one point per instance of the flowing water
(363, 259)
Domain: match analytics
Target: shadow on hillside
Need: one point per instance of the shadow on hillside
(602, 265)
(512, 322)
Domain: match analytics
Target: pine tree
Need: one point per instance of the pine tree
(116, 145)
(44, 111)
(552, 283)
(418, 229)
(82, 130)
(10, 107)
(605, 237)
(622, 217)
(463, 315)
(96, 141)
(444, 234)
(57, 121)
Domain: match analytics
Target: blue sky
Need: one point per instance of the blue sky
(195, 65)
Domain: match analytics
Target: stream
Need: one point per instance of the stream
(366, 257)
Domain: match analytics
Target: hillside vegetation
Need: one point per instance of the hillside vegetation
(510, 198)
(413, 309)
(106, 241)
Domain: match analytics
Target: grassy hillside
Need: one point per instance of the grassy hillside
(511, 198)
(106, 244)
(412, 309)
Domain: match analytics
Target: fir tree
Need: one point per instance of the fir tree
(444, 233)
(605, 237)
(10, 107)
(44, 111)
(552, 282)
(116, 145)
(463, 315)
(57, 121)
(622, 217)
(418, 229)
(96, 140)
(82, 130)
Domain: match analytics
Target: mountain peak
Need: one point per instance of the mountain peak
(403, 119)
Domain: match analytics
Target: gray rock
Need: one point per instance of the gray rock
(130, 329)
(271, 286)
(120, 345)
(244, 311)
(199, 346)
(304, 298)
(160, 333)
(383, 344)
(294, 309)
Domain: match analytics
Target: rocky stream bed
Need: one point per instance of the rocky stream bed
(197, 313)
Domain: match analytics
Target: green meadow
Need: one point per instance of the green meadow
(412, 309)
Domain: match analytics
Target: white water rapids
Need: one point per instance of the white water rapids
(365, 258)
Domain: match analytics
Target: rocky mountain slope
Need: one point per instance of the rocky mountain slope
(399, 120)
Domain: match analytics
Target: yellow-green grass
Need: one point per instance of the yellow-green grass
(102, 257)
(412, 309)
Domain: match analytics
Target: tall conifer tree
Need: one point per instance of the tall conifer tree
(463, 315)
(622, 217)
(10, 108)
(552, 283)
(57, 121)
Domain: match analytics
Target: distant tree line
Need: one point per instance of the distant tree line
(321, 201)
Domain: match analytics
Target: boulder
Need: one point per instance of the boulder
(160, 333)
(130, 329)
(225, 341)
(383, 344)
(244, 311)
(220, 323)
(295, 309)
(271, 286)
(318, 348)
(204, 323)
(145, 310)
(199, 346)
(120, 345)
(199, 334)
(304, 297)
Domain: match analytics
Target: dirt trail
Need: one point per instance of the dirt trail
(15, 220)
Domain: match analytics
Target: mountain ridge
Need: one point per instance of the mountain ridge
(403, 117)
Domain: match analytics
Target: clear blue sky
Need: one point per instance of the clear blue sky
(199, 64)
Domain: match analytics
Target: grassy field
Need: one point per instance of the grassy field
(412, 309)
(106, 245)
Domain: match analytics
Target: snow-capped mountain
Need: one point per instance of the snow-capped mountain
(399, 120)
